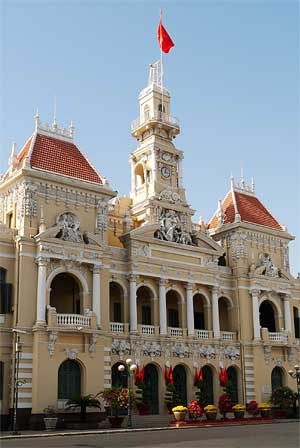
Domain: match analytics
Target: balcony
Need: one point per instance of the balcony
(202, 334)
(176, 332)
(156, 117)
(228, 336)
(147, 330)
(275, 337)
(70, 320)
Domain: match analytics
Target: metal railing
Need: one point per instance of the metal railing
(156, 116)
(202, 334)
(116, 327)
(73, 320)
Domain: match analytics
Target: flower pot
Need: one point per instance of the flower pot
(116, 422)
(180, 416)
(211, 415)
(265, 413)
(239, 413)
(50, 423)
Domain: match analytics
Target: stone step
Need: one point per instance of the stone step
(143, 421)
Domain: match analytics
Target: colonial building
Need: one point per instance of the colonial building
(93, 278)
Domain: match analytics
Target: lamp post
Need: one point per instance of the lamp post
(17, 383)
(296, 375)
(126, 370)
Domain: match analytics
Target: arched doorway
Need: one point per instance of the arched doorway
(144, 306)
(199, 315)
(151, 388)
(179, 375)
(116, 303)
(118, 379)
(224, 316)
(69, 380)
(276, 378)
(232, 385)
(172, 301)
(267, 316)
(206, 387)
(296, 322)
(65, 294)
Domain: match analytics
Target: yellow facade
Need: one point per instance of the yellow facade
(97, 279)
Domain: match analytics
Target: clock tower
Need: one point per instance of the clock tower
(156, 164)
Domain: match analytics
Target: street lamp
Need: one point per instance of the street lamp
(126, 370)
(17, 382)
(296, 375)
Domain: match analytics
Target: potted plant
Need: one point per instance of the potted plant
(265, 409)
(225, 404)
(180, 412)
(252, 408)
(50, 418)
(117, 398)
(194, 410)
(283, 398)
(211, 412)
(239, 410)
(83, 402)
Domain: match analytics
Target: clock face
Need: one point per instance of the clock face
(165, 171)
(166, 156)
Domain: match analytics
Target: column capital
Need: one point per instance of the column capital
(286, 296)
(132, 277)
(96, 269)
(163, 282)
(255, 292)
(189, 286)
(215, 289)
(42, 261)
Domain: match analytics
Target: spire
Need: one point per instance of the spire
(242, 180)
(54, 124)
(252, 185)
(231, 182)
(220, 213)
(13, 159)
(71, 129)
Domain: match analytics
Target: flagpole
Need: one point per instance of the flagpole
(161, 72)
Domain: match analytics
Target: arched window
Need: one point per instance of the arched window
(296, 322)
(144, 305)
(139, 175)
(65, 294)
(267, 316)
(116, 302)
(69, 380)
(276, 378)
(172, 301)
(232, 385)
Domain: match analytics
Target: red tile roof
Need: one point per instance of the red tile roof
(249, 208)
(58, 156)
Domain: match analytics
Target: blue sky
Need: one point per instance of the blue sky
(233, 76)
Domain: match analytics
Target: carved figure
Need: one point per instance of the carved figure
(172, 229)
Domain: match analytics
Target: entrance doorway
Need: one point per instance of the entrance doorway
(151, 388)
(179, 375)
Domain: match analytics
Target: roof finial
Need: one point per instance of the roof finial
(242, 181)
(13, 160)
(37, 119)
(231, 181)
(54, 124)
(71, 129)
(220, 213)
(252, 185)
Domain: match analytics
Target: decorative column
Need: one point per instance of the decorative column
(132, 161)
(96, 306)
(255, 313)
(41, 292)
(287, 313)
(162, 306)
(154, 168)
(132, 305)
(190, 309)
(215, 312)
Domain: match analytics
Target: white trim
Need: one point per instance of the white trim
(76, 273)
(23, 365)
(26, 355)
(25, 394)
(24, 375)
(24, 404)
(3, 255)
(107, 358)
(107, 377)
(249, 372)
(107, 386)
(107, 368)
(249, 364)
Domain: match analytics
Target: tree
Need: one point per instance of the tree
(87, 401)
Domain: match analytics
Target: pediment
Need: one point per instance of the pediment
(86, 240)
(147, 232)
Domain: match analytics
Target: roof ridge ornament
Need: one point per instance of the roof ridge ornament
(241, 186)
(54, 131)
